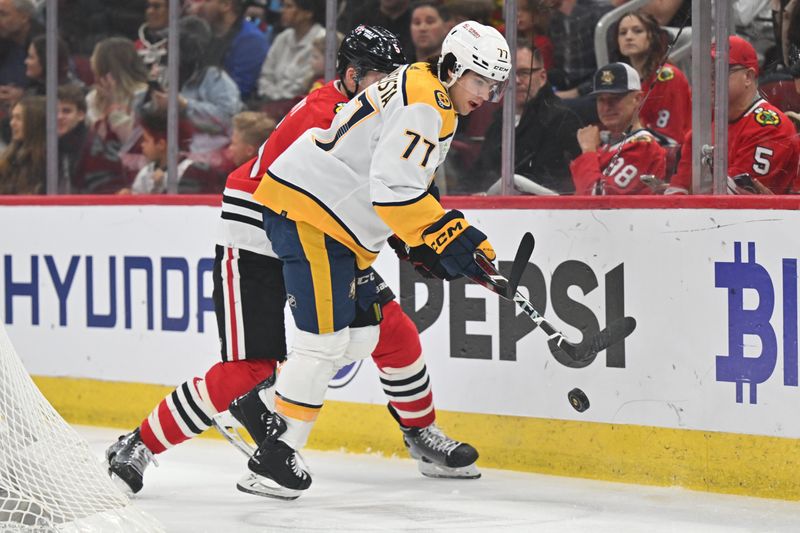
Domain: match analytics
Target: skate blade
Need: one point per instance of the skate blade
(121, 484)
(232, 430)
(263, 486)
(433, 470)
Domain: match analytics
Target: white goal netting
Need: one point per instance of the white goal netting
(49, 478)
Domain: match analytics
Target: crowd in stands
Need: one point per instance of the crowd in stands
(581, 128)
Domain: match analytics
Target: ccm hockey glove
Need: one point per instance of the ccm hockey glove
(425, 260)
(455, 242)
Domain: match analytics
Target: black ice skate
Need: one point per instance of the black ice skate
(276, 470)
(127, 459)
(249, 412)
(437, 454)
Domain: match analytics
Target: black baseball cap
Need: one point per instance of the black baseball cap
(616, 78)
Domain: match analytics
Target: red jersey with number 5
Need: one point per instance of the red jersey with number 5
(762, 142)
(605, 172)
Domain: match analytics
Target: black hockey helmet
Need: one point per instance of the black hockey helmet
(369, 48)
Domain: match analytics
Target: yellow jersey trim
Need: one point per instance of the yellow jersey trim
(420, 85)
(300, 206)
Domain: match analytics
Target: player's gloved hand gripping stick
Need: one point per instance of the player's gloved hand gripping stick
(557, 342)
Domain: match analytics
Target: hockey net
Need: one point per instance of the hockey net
(49, 478)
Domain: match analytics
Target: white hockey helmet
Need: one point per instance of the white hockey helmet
(479, 48)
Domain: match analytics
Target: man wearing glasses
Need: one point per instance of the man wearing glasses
(762, 143)
(545, 133)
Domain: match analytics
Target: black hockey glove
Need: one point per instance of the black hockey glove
(455, 242)
(424, 259)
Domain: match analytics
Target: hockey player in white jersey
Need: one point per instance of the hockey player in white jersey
(334, 197)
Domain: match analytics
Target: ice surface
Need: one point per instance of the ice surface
(193, 490)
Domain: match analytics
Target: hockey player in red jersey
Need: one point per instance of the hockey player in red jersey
(762, 141)
(249, 293)
(615, 166)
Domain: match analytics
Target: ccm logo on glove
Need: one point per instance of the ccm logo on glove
(450, 231)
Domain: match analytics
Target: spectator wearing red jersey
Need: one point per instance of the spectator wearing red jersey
(762, 141)
(616, 165)
(667, 107)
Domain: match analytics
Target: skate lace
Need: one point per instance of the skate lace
(435, 438)
(138, 456)
(275, 426)
(142, 456)
(298, 465)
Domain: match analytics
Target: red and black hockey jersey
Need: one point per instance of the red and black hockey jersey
(762, 142)
(667, 109)
(241, 216)
(615, 170)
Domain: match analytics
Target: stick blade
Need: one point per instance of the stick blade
(616, 332)
(524, 253)
(581, 355)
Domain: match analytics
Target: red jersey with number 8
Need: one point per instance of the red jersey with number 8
(615, 170)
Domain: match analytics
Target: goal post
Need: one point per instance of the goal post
(49, 478)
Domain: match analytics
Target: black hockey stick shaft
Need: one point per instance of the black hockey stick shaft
(560, 347)
(524, 253)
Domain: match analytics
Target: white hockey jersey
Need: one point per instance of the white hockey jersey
(368, 175)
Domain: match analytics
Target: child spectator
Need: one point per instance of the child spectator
(286, 73)
(317, 61)
(615, 166)
(642, 44)
(193, 178)
(23, 162)
(430, 23)
(86, 165)
(250, 131)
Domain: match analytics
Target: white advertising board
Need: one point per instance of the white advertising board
(123, 293)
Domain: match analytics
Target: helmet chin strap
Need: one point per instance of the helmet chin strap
(356, 79)
(451, 79)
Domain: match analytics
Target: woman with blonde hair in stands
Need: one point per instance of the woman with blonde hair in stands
(667, 106)
(23, 163)
(120, 85)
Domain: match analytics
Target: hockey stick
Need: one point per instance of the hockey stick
(562, 349)
(524, 253)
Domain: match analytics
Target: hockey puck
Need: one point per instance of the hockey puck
(578, 400)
